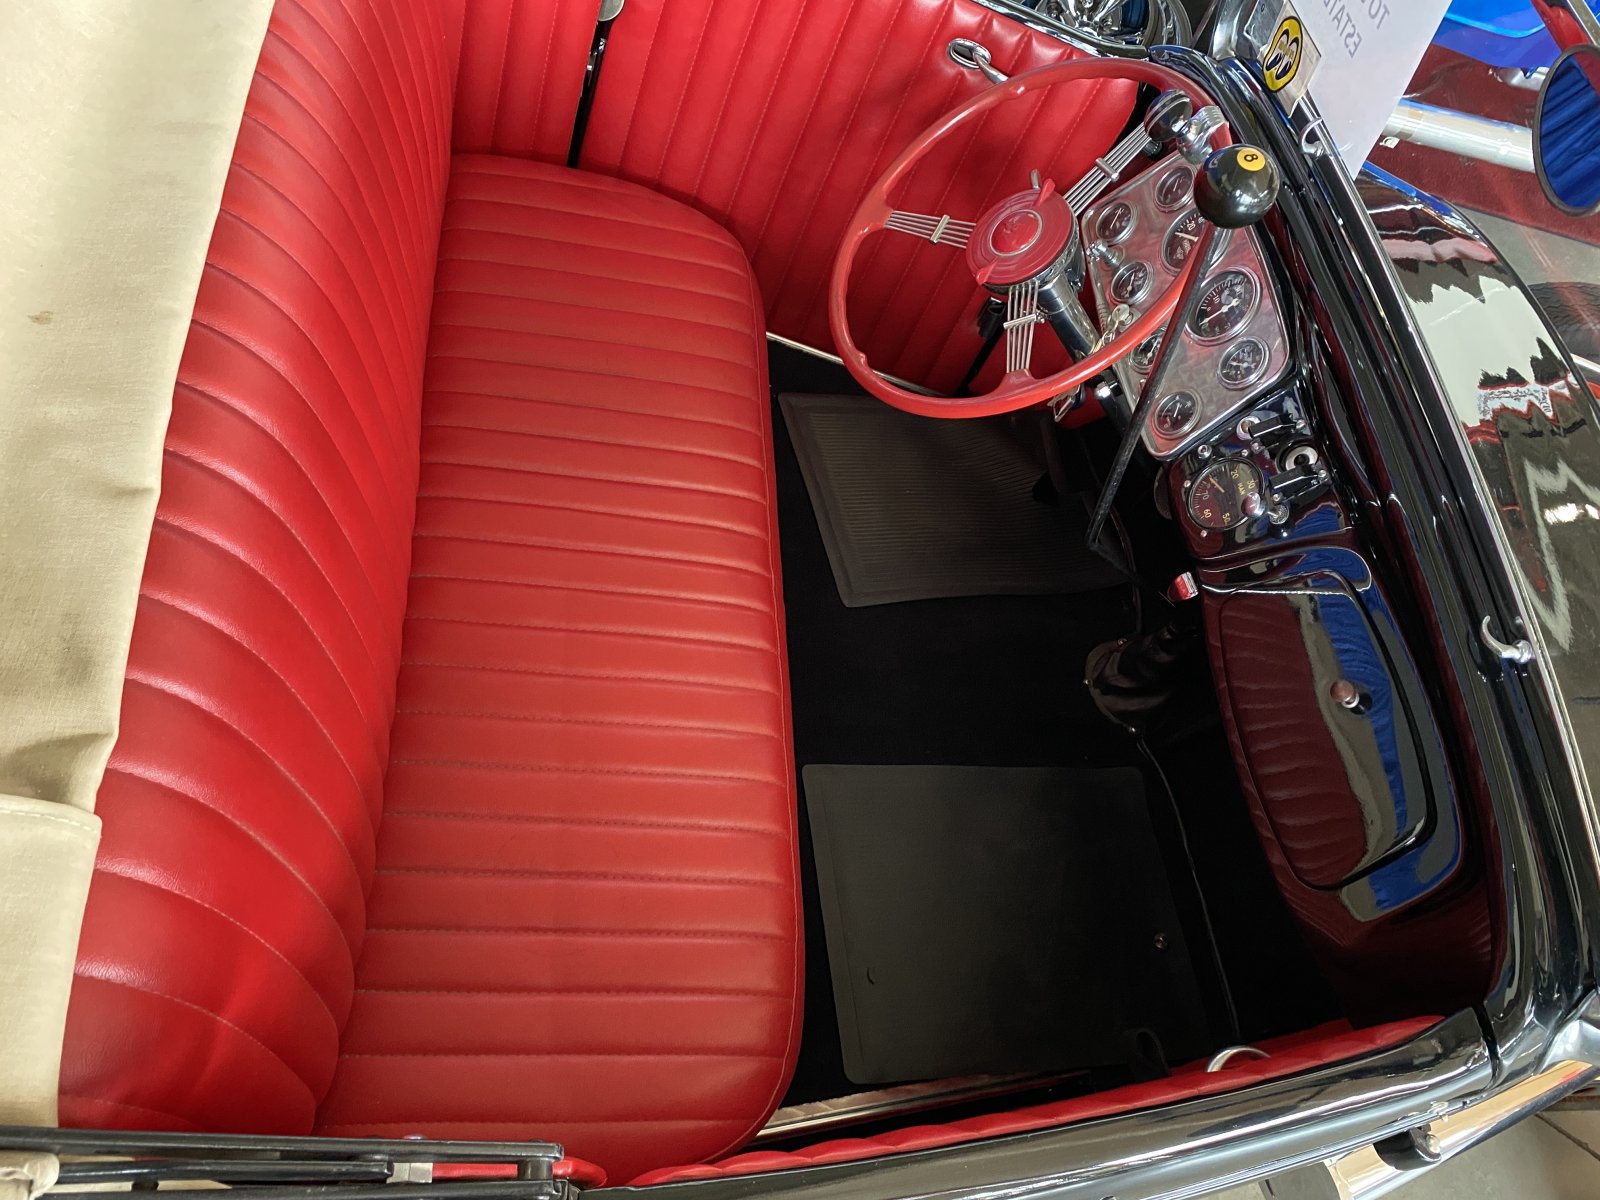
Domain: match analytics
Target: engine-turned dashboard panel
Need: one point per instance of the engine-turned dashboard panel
(1235, 347)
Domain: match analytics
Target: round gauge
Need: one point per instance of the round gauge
(1131, 283)
(1244, 363)
(1226, 305)
(1176, 414)
(1144, 354)
(1227, 494)
(1172, 190)
(1185, 232)
(1181, 238)
(1114, 223)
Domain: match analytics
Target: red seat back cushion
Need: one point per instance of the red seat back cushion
(216, 964)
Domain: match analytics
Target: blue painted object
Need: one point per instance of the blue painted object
(1502, 33)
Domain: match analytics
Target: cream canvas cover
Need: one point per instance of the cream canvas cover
(117, 125)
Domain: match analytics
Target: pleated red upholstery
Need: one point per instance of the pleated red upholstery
(775, 119)
(522, 67)
(216, 966)
(585, 924)
(1286, 1056)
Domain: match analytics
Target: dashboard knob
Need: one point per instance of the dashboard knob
(1237, 186)
(1167, 115)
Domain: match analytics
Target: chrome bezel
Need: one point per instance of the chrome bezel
(1127, 230)
(1260, 370)
(1148, 361)
(1166, 241)
(1222, 465)
(1141, 291)
(1188, 190)
(1244, 318)
(1162, 406)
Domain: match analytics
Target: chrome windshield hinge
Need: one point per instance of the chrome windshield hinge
(1519, 651)
(974, 56)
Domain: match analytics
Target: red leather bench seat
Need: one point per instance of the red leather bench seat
(453, 794)
(583, 925)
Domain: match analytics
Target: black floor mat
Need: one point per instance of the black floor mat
(997, 681)
(985, 920)
(913, 508)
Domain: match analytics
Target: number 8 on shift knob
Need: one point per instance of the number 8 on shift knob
(1236, 186)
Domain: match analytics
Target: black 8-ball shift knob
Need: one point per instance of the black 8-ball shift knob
(1236, 186)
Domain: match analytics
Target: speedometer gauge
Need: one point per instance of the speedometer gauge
(1226, 306)
(1227, 494)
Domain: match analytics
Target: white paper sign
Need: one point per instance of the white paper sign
(1355, 57)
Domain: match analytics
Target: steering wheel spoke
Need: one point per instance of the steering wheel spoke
(1022, 319)
(941, 231)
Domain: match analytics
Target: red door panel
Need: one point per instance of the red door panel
(774, 119)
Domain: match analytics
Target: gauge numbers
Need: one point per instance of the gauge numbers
(1227, 494)
(1176, 414)
(1144, 354)
(1181, 238)
(1225, 307)
(1132, 283)
(1185, 232)
(1244, 362)
(1114, 223)
(1173, 189)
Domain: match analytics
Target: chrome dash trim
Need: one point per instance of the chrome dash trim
(834, 358)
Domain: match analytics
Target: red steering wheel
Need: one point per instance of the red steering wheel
(1007, 250)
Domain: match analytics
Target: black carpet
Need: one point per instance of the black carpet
(998, 681)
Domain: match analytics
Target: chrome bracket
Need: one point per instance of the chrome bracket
(975, 56)
(1519, 651)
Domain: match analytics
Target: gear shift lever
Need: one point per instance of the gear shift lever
(1236, 187)
(1171, 117)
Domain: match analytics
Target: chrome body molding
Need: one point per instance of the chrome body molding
(1182, 1149)
(1528, 427)
(1367, 1174)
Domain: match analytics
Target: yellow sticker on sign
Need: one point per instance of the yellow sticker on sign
(1284, 54)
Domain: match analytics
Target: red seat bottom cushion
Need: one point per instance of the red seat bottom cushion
(585, 919)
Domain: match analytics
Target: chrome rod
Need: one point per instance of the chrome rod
(819, 1116)
(1473, 137)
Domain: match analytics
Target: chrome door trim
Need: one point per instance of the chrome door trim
(1182, 1149)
